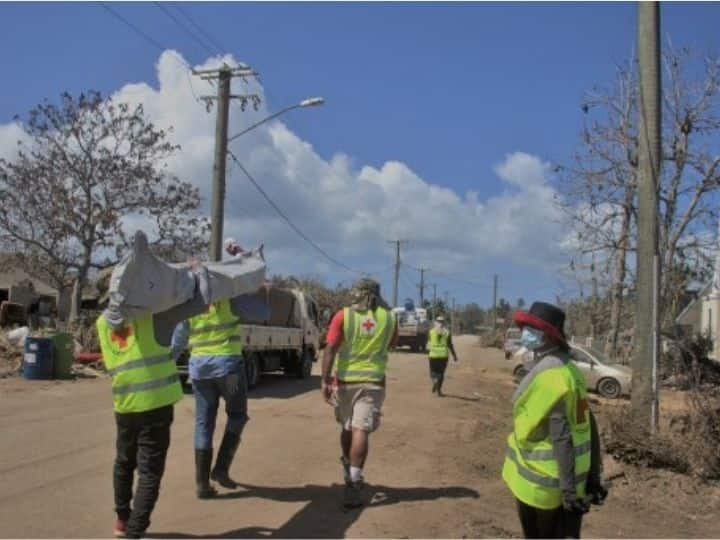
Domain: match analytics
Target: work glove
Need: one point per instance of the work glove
(596, 494)
(576, 506)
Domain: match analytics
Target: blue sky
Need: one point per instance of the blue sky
(447, 90)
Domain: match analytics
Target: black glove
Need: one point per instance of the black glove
(576, 506)
(596, 494)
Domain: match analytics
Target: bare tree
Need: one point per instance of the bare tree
(599, 185)
(93, 169)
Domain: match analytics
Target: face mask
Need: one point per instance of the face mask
(532, 339)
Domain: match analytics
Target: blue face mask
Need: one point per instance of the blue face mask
(532, 339)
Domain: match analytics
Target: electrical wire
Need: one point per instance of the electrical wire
(153, 42)
(180, 24)
(218, 47)
(292, 225)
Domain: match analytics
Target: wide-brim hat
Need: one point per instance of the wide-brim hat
(544, 317)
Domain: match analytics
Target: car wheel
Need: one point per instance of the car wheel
(305, 364)
(252, 370)
(609, 388)
(519, 373)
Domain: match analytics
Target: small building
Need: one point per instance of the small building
(702, 316)
(18, 287)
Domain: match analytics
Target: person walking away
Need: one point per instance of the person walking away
(360, 336)
(439, 347)
(553, 462)
(145, 386)
(217, 370)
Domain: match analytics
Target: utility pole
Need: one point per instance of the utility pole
(422, 284)
(644, 395)
(397, 243)
(452, 317)
(434, 294)
(494, 310)
(224, 76)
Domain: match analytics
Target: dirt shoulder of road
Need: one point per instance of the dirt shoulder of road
(433, 471)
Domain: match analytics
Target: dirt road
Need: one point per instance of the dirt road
(433, 470)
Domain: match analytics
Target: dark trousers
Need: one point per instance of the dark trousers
(558, 523)
(142, 443)
(437, 370)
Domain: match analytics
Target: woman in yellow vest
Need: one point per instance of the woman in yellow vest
(439, 347)
(553, 460)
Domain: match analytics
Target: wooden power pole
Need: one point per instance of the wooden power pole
(397, 243)
(224, 76)
(494, 310)
(646, 346)
(422, 284)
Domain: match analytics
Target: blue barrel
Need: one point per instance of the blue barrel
(38, 358)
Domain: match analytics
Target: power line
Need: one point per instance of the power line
(152, 41)
(292, 225)
(219, 48)
(142, 34)
(184, 28)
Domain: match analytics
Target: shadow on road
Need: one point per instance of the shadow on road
(461, 398)
(277, 385)
(323, 515)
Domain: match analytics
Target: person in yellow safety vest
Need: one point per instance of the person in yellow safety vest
(361, 336)
(439, 347)
(217, 369)
(145, 386)
(553, 461)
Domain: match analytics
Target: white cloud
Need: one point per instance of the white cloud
(350, 211)
(10, 134)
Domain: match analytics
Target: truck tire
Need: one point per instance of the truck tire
(252, 370)
(304, 365)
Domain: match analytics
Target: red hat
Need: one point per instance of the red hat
(544, 317)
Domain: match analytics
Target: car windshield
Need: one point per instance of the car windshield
(513, 333)
(599, 355)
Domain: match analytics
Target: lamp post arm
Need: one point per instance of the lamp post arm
(256, 124)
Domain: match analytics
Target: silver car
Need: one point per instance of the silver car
(607, 378)
(512, 342)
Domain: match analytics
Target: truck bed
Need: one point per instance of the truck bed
(264, 338)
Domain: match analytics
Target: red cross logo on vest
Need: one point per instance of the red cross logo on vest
(367, 326)
(121, 336)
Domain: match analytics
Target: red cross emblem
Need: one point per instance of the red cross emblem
(368, 326)
(121, 336)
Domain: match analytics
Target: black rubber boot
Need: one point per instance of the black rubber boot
(203, 462)
(220, 472)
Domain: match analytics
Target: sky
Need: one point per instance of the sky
(440, 127)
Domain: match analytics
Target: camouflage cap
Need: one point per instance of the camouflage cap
(365, 295)
(366, 286)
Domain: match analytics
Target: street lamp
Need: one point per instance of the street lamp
(309, 102)
(218, 213)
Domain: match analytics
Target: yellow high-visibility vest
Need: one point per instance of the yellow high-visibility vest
(215, 332)
(144, 377)
(363, 355)
(438, 344)
(531, 470)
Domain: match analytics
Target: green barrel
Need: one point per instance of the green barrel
(63, 349)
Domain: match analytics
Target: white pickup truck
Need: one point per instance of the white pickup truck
(287, 340)
(413, 328)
